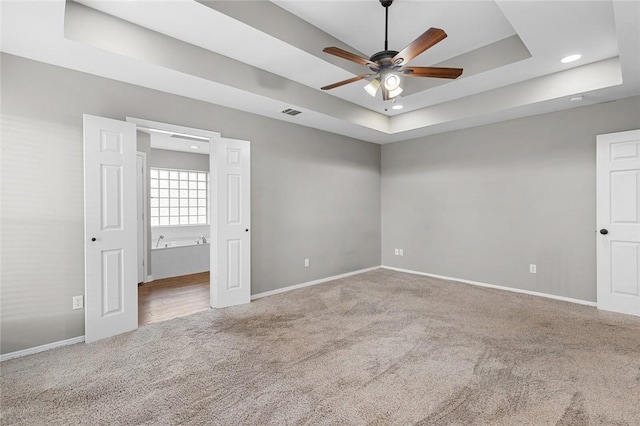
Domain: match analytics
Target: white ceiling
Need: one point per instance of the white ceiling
(469, 25)
(263, 57)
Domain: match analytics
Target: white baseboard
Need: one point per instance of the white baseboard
(309, 283)
(497, 287)
(80, 339)
(41, 348)
(149, 278)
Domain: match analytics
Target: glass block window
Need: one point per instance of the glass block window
(178, 197)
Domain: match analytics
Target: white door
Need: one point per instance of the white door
(618, 219)
(231, 222)
(111, 290)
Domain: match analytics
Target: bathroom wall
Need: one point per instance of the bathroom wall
(166, 159)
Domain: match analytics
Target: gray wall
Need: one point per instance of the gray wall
(178, 160)
(482, 204)
(314, 194)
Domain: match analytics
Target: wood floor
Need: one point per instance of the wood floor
(174, 297)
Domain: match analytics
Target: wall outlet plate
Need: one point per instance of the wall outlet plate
(401, 252)
(397, 252)
(533, 269)
(78, 302)
(306, 263)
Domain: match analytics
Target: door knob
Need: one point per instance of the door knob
(604, 231)
(93, 239)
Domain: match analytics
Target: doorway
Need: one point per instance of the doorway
(179, 223)
(111, 225)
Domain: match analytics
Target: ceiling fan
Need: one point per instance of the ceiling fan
(388, 65)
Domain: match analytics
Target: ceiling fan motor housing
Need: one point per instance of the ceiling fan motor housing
(383, 59)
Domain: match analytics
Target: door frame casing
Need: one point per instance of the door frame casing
(143, 124)
(143, 221)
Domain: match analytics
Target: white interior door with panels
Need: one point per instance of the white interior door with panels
(111, 258)
(618, 218)
(230, 162)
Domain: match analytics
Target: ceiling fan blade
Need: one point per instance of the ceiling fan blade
(347, 81)
(432, 72)
(428, 39)
(336, 51)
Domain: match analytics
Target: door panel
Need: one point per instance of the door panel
(112, 282)
(618, 199)
(624, 268)
(231, 259)
(111, 194)
(624, 196)
(111, 258)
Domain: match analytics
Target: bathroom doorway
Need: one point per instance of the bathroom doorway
(177, 200)
(111, 223)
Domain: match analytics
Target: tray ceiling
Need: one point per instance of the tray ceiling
(264, 57)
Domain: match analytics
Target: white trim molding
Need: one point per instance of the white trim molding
(42, 348)
(310, 283)
(496, 287)
(172, 128)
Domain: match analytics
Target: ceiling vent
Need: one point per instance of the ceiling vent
(290, 111)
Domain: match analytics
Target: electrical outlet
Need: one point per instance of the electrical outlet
(533, 269)
(401, 252)
(306, 263)
(78, 302)
(397, 252)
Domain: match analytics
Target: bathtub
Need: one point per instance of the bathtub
(179, 257)
(180, 243)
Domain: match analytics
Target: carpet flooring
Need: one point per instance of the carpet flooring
(377, 348)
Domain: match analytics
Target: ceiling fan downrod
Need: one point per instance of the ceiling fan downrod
(386, 4)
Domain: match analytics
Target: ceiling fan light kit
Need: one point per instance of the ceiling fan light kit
(391, 81)
(388, 66)
(372, 87)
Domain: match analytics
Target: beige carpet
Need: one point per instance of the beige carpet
(377, 348)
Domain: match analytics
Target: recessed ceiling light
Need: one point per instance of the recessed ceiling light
(577, 98)
(570, 58)
(397, 106)
(194, 147)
